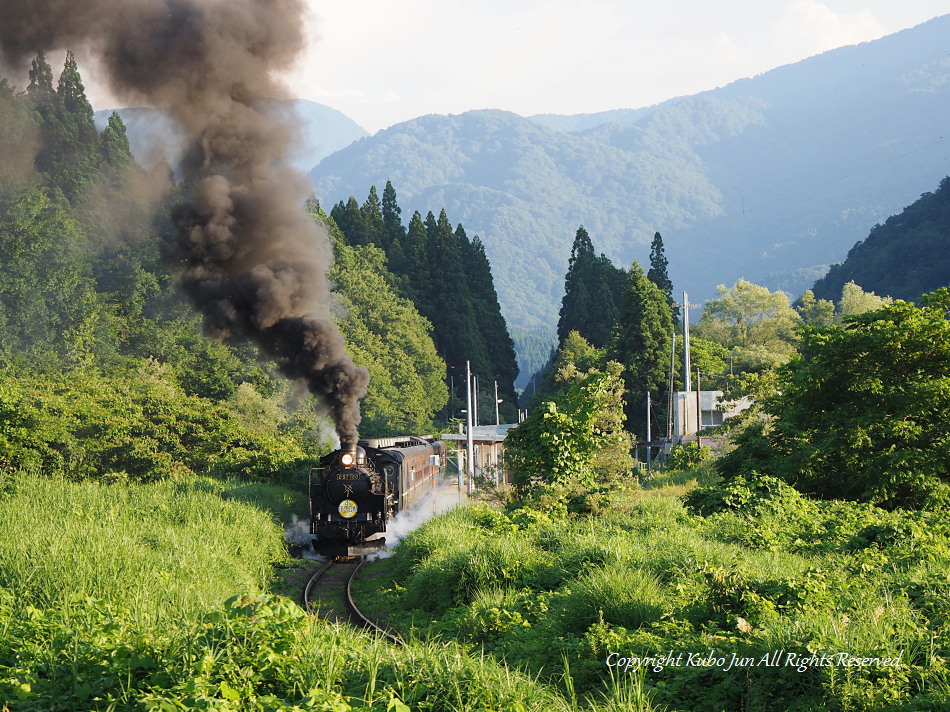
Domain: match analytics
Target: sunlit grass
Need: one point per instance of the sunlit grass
(160, 551)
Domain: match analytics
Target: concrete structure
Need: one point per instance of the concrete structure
(711, 411)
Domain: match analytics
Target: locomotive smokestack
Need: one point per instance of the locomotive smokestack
(254, 262)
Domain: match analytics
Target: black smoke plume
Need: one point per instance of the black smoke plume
(253, 261)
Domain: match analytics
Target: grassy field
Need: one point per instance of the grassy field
(158, 597)
(746, 597)
(683, 594)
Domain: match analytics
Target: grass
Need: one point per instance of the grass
(777, 573)
(161, 551)
(155, 596)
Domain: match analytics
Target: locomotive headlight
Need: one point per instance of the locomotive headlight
(347, 509)
(346, 459)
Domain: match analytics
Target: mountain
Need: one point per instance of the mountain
(770, 178)
(153, 134)
(907, 256)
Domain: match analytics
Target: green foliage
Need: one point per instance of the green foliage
(154, 597)
(592, 293)
(642, 341)
(384, 332)
(575, 440)
(858, 414)
(756, 325)
(753, 569)
(448, 279)
(19, 141)
(140, 427)
(659, 274)
(49, 310)
(689, 455)
(814, 312)
(855, 300)
(576, 353)
(904, 258)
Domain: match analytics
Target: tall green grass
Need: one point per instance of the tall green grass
(159, 551)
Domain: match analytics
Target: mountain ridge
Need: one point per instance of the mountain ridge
(771, 178)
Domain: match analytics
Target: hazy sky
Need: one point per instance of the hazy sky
(382, 62)
(385, 62)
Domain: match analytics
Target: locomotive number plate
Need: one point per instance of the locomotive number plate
(347, 508)
(348, 476)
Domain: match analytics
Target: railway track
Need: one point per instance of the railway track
(332, 586)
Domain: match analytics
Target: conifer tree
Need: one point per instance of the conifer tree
(641, 342)
(72, 95)
(415, 249)
(592, 292)
(114, 144)
(450, 306)
(490, 322)
(393, 230)
(69, 157)
(373, 219)
(349, 218)
(658, 273)
(41, 81)
(575, 305)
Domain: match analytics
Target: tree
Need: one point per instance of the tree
(576, 351)
(386, 333)
(349, 218)
(861, 413)
(756, 325)
(592, 289)
(19, 141)
(114, 144)
(393, 231)
(449, 302)
(814, 312)
(69, 157)
(855, 300)
(40, 88)
(642, 342)
(49, 311)
(373, 222)
(658, 273)
(491, 323)
(575, 305)
(570, 443)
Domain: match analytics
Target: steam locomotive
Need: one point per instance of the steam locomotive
(357, 489)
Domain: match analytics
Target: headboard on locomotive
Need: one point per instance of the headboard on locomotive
(412, 465)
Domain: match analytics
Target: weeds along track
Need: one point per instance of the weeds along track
(328, 594)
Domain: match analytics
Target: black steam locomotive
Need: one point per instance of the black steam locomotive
(359, 488)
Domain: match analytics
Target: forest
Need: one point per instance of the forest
(91, 286)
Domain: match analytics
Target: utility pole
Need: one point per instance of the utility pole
(649, 436)
(669, 412)
(699, 411)
(469, 448)
(686, 386)
(497, 401)
(475, 400)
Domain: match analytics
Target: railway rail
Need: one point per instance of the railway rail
(334, 578)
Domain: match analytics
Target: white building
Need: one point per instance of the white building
(710, 412)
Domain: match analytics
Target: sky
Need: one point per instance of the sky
(382, 62)
(385, 62)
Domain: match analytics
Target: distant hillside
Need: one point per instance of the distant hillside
(323, 130)
(907, 256)
(770, 178)
(582, 122)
